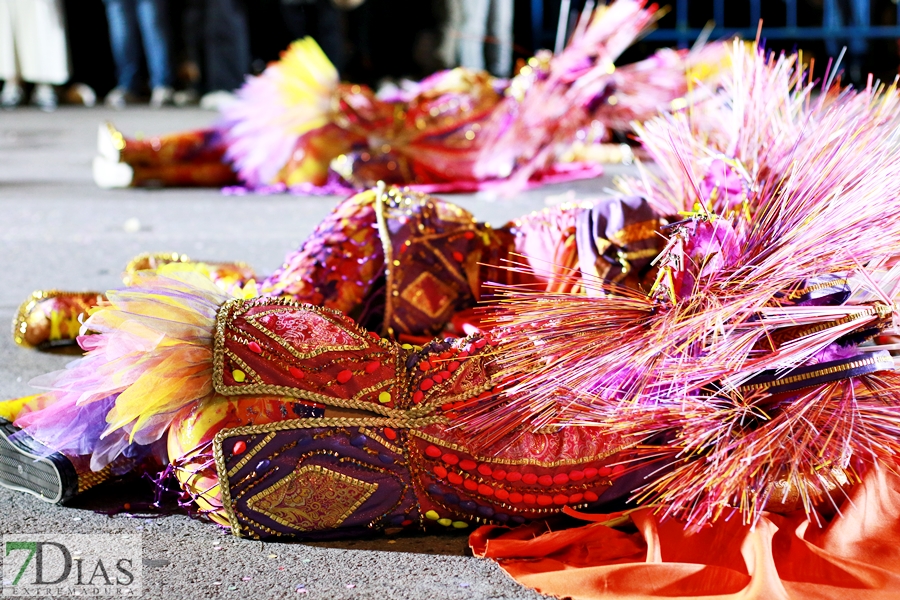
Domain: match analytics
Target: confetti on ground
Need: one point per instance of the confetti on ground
(246, 578)
(350, 586)
(464, 585)
(217, 583)
(273, 556)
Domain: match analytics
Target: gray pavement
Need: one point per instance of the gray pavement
(57, 230)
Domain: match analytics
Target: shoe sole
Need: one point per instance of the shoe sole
(27, 466)
(112, 175)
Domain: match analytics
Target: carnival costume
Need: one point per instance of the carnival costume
(296, 126)
(700, 345)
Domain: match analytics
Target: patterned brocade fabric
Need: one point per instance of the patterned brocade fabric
(399, 463)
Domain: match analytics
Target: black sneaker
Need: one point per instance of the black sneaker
(28, 466)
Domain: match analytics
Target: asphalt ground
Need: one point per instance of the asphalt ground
(59, 231)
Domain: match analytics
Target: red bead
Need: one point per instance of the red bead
(449, 406)
(444, 355)
(480, 343)
(470, 485)
(418, 396)
(433, 451)
(545, 480)
(484, 470)
(560, 479)
(515, 497)
(390, 433)
(345, 376)
(604, 471)
(544, 500)
(576, 498)
(576, 475)
(529, 498)
(618, 469)
(254, 347)
(445, 375)
(485, 490)
(591, 496)
(467, 464)
(296, 373)
(371, 367)
(440, 472)
(463, 354)
(454, 364)
(426, 384)
(424, 365)
(514, 477)
(438, 379)
(469, 235)
(450, 459)
(501, 494)
(374, 335)
(406, 523)
(499, 474)
(529, 479)
(560, 499)
(454, 478)
(239, 447)
(590, 472)
(458, 257)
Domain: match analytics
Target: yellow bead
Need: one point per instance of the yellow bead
(406, 346)
(432, 515)
(384, 397)
(460, 524)
(239, 375)
(445, 522)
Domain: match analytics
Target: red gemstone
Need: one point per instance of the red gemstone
(469, 235)
(467, 464)
(418, 396)
(480, 343)
(254, 347)
(544, 500)
(576, 498)
(463, 354)
(390, 433)
(590, 472)
(604, 471)
(444, 375)
(374, 335)
(576, 475)
(438, 379)
(239, 447)
(458, 257)
(560, 499)
(529, 498)
(617, 470)
(372, 366)
(529, 479)
(450, 459)
(501, 494)
(470, 485)
(426, 384)
(485, 490)
(454, 478)
(591, 496)
(296, 373)
(454, 364)
(484, 470)
(560, 479)
(424, 365)
(433, 451)
(514, 477)
(440, 472)
(345, 376)
(406, 523)
(499, 474)
(545, 480)
(515, 497)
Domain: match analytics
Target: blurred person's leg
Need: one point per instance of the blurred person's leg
(43, 50)
(152, 19)
(227, 45)
(501, 40)
(474, 27)
(9, 65)
(450, 32)
(123, 37)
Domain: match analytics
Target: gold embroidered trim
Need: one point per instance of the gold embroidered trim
(250, 454)
(886, 363)
(20, 321)
(251, 320)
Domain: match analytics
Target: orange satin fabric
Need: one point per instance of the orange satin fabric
(856, 555)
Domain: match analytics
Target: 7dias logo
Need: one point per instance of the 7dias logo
(40, 565)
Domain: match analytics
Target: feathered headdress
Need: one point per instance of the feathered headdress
(744, 356)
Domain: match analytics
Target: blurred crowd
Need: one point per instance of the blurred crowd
(124, 52)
